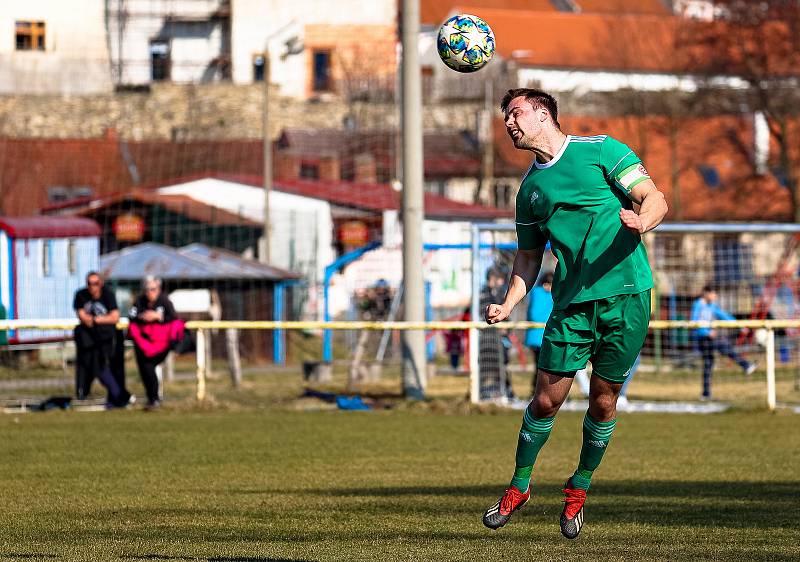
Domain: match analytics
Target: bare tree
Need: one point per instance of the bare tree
(756, 43)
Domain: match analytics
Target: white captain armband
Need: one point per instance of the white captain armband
(630, 177)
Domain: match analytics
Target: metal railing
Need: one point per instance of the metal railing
(203, 326)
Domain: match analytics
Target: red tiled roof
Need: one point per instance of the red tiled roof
(654, 7)
(434, 12)
(179, 204)
(368, 197)
(29, 166)
(48, 227)
(588, 41)
(373, 197)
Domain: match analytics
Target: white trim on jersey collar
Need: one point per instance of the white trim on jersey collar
(555, 158)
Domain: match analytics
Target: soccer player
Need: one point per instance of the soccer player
(579, 194)
(705, 309)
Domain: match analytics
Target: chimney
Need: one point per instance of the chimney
(366, 168)
(287, 166)
(330, 168)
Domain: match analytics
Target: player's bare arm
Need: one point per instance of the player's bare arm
(652, 208)
(523, 276)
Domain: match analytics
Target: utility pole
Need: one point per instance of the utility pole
(414, 360)
(263, 254)
(486, 141)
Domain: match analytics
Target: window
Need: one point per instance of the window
(309, 170)
(62, 194)
(322, 71)
(47, 258)
(159, 60)
(30, 35)
(710, 175)
(72, 257)
(258, 68)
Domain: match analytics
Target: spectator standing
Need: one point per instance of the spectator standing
(540, 305)
(96, 341)
(151, 318)
(705, 309)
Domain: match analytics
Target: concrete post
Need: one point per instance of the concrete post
(414, 360)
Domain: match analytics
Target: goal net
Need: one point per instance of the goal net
(753, 271)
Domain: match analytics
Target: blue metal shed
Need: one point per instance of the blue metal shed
(43, 262)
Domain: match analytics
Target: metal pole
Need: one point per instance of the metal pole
(771, 401)
(474, 373)
(414, 360)
(263, 254)
(200, 345)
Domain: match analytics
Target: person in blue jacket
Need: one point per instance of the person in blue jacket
(705, 309)
(540, 305)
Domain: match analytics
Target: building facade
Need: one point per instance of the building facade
(168, 40)
(316, 48)
(49, 46)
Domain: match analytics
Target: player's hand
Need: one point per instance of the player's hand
(631, 220)
(496, 313)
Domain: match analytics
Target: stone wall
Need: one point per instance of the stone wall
(208, 111)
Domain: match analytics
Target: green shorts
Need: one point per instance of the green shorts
(608, 332)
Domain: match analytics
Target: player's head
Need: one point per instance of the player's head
(94, 283)
(528, 113)
(709, 294)
(547, 280)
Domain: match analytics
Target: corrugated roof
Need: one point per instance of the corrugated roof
(196, 262)
(48, 227)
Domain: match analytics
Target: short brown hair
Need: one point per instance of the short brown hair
(537, 98)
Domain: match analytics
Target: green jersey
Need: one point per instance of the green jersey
(574, 201)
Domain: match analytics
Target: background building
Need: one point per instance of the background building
(51, 46)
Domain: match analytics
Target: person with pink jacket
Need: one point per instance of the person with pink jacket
(153, 327)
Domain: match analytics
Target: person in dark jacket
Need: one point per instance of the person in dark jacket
(97, 342)
(151, 307)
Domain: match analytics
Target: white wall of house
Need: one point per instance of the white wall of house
(75, 59)
(193, 36)
(259, 23)
(447, 270)
(302, 227)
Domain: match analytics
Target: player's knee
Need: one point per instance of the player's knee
(603, 406)
(543, 406)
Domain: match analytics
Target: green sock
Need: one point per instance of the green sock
(532, 436)
(596, 436)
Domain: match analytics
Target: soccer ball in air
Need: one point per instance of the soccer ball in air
(465, 43)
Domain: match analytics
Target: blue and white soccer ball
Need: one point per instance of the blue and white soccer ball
(465, 43)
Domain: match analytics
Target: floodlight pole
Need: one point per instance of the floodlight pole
(263, 254)
(413, 208)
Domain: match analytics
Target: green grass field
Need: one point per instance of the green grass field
(191, 483)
